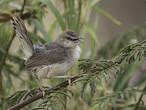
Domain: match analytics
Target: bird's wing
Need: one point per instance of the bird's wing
(47, 57)
(23, 35)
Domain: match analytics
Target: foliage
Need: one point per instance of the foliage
(133, 35)
(102, 83)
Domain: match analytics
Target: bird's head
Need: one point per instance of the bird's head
(69, 39)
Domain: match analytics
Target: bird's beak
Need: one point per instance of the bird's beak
(80, 38)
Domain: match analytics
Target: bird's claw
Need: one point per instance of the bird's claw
(69, 82)
(43, 91)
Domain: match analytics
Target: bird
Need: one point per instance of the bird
(51, 60)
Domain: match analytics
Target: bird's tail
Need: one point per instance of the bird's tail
(23, 36)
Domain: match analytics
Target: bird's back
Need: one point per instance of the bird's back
(48, 54)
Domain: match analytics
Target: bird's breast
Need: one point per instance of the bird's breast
(61, 68)
(76, 53)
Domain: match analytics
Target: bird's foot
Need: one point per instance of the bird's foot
(69, 81)
(43, 91)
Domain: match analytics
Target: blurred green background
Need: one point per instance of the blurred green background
(107, 26)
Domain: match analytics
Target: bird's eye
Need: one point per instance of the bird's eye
(69, 38)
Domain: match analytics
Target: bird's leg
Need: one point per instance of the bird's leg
(39, 84)
(69, 82)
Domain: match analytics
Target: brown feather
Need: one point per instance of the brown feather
(51, 54)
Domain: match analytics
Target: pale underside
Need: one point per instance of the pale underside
(53, 70)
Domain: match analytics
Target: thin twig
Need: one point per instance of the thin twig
(140, 98)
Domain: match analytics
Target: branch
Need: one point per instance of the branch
(40, 94)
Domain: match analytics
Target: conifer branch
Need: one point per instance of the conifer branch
(40, 94)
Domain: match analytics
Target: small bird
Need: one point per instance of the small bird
(51, 60)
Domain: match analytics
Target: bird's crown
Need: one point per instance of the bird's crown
(71, 35)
